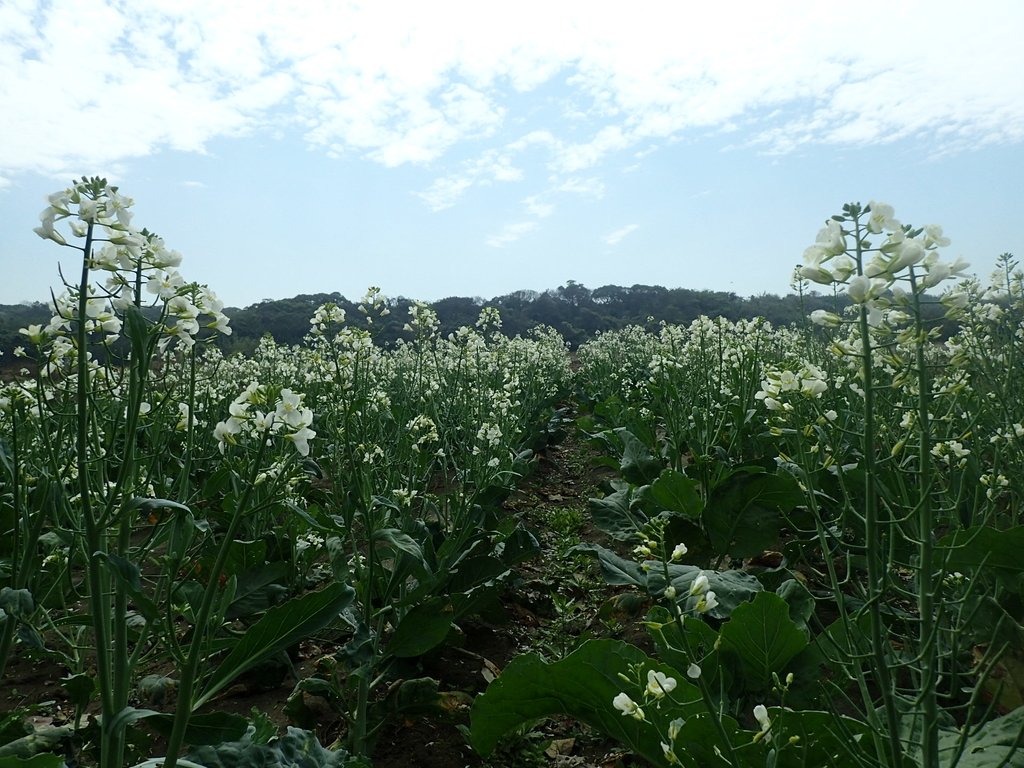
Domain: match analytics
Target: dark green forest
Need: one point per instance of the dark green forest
(576, 311)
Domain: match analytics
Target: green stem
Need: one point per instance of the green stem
(190, 672)
(926, 555)
(95, 541)
(873, 528)
(7, 636)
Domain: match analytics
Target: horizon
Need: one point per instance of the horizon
(436, 154)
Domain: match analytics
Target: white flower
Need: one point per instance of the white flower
(933, 237)
(678, 552)
(693, 671)
(707, 602)
(290, 410)
(669, 754)
(761, 715)
(627, 706)
(34, 333)
(670, 592)
(658, 683)
(908, 253)
(301, 440)
(825, 318)
(699, 586)
(858, 288)
(831, 239)
(882, 218)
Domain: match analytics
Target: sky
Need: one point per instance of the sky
(477, 148)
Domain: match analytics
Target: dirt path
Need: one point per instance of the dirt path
(552, 606)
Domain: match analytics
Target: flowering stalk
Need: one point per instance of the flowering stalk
(927, 620)
(877, 575)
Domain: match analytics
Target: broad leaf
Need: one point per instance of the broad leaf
(205, 728)
(278, 628)
(616, 570)
(36, 761)
(675, 492)
(615, 513)
(745, 511)
(998, 742)
(731, 588)
(258, 589)
(583, 686)
(297, 749)
(763, 638)
(638, 466)
(422, 628)
(986, 547)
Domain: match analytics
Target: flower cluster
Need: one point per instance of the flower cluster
(97, 212)
(325, 316)
(289, 418)
(906, 254)
(658, 686)
(423, 320)
(489, 320)
(809, 381)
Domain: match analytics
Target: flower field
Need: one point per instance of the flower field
(816, 527)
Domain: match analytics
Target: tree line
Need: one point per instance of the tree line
(576, 311)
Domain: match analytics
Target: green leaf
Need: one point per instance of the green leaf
(745, 511)
(277, 629)
(474, 571)
(258, 589)
(36, 761)
(615, 514)
(824, 739)
(582, 685)
(675, 492)
(40, 740)
(80, 688)
(998, 742)
(800, 601)
(296, 749)
(731, 588)
(763, 638)
(986, 547)
(398, 541)
(142, 504)
(616, 570)
(637, 465)
(205, 728)
(422, 628)
(17, 603)
(520, 545)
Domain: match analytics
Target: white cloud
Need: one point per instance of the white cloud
(592, 187)
(85, 85)
(535, 206)
(616, 237)
(491, 166)
(444, 192)
(193, 184)
(510, 233)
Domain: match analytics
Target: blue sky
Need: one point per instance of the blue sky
(477, 148)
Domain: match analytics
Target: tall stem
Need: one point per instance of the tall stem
(926, 554)
(95, 540)
(877, 565)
